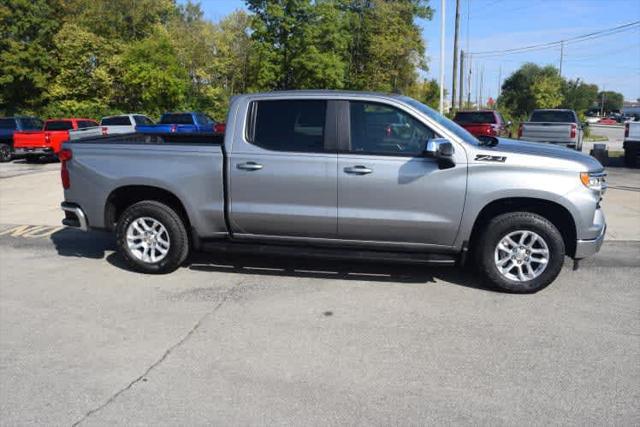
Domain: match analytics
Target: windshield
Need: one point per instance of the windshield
(451, 126)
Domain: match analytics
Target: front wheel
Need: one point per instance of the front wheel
(152, 237)
(520, 252)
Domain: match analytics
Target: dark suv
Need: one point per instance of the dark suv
(8, 125)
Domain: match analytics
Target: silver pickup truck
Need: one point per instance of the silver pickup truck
(340, 174)
(124, 123)
(558, 127)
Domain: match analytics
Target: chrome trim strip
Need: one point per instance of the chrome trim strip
(79, 213)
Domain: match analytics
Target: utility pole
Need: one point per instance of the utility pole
(561, 55)
(499, 85)
(481, 86)
(469, 84)
(477, 86)
(461, 96)
(442, 57)
(455, 57)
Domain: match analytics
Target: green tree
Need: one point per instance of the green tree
(83, 84)
(547, 91)
(153, 80)
(531, 87)
(612, 101)
(578, 95)
(27, 64)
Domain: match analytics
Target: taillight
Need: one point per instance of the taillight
(219, 127)
(173, 128)
(105, 131)
(65, 155)
(626, 130)
(520, 131)
(573, 130)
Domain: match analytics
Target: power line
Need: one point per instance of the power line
(583, 37)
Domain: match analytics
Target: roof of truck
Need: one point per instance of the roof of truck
(325, 92)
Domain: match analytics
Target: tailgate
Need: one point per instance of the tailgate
(547, 132)
(29, 139)
(479, 128)
(84, 133)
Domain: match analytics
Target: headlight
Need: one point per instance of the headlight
(594, 180)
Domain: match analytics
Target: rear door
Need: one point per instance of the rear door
(388, 191)
(282, 171)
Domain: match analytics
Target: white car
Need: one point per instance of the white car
(125, 123)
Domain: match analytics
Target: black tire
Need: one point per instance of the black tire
(6, 153)
(630, 158)
(175, 228)
(33, 159)
(501, 226)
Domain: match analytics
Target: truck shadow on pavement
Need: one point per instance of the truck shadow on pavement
(99, 245)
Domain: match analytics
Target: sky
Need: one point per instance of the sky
(612, 62)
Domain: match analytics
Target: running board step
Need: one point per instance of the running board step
(329, 253)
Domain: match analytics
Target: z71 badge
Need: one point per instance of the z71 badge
(490, 158)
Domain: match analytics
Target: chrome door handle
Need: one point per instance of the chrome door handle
(249, 166)
(358, 170)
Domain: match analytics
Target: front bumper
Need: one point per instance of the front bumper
(41, 151)
(586, 248)
(74, 216)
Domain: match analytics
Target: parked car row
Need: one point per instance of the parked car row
(32, 138)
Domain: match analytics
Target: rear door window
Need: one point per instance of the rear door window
(58, 125)
(289, 125)
(116, 121)
(7, 124)
(86, 124)
(142, 120)
(31, 123)
(176, 119)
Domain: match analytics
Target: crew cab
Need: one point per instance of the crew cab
(340, 174)
(48, 141)
(631, 144)
(8, 126)
(483, 123)
(124, 123)
(191, 122)
(556, 126)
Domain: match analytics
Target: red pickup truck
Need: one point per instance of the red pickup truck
(483, 123)
(48, 141)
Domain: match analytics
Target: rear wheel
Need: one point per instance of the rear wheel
(520, 252)
(152, 237)
(6, 153)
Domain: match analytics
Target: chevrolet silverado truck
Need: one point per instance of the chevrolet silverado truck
(48, 141)
(340, 174)
(483, 123)
(191, 122)
(124, 123)
(558, 127)
(631, 144)
(10, 125)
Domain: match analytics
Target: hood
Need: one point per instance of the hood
(554, 156)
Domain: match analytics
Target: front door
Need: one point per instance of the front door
(282, 179)
(388, 192)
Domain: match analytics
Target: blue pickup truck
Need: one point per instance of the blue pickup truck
(9, 125)
(189, 122)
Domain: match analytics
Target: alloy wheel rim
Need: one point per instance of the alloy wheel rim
(521, 255)
(148, 240)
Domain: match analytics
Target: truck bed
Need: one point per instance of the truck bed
(189, 166)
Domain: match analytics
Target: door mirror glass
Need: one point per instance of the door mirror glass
(441, 150)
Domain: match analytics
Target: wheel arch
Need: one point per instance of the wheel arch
(123, 197)
(557, 214)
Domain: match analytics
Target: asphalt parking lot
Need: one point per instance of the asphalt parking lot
(247, 340)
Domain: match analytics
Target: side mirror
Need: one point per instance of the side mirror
(441, 150)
